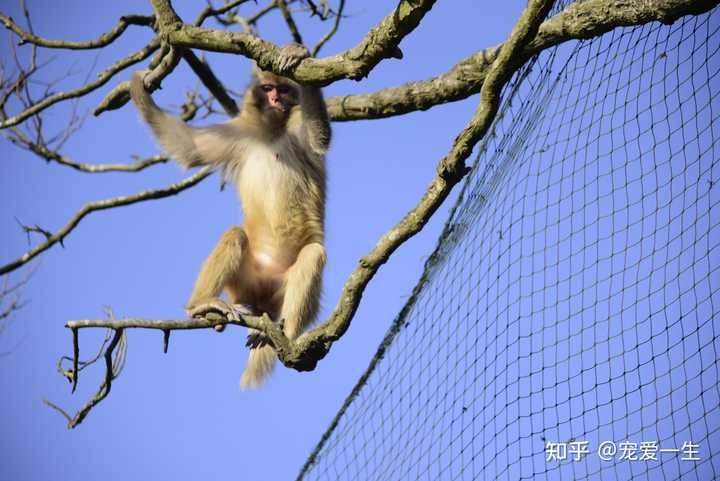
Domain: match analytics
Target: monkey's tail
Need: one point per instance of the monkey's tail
(260, 365)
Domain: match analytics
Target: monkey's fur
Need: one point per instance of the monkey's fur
(274, 152)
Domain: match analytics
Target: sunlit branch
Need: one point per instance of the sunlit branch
(102, 79)
(103, 40)
(210, 11)
(381, 42)
(578, 21)
(111, 203)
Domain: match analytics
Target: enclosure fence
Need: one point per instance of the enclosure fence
(566, 326)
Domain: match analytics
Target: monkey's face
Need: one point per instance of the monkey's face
(275, 96)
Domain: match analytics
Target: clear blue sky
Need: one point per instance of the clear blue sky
(182, 415)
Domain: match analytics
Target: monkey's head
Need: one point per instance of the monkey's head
(273, 96)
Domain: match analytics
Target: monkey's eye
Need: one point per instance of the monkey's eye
(267, 88)
(283, 89)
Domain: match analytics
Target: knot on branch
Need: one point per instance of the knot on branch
(452, 172)
(305, 354)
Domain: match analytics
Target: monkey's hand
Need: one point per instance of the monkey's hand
(231, 311)
(291, 55)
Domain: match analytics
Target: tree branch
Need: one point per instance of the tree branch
(60, 235)
(42, 150)
(104, 39)
(329, 35)
(211, 82)
(214, 12)
(381, 42)
(114, 362)
(102, 79)
(579, 20)
(120, 95)
(290, 21)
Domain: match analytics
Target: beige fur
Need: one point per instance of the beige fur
(276, 159)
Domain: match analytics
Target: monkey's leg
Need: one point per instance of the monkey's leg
(302, 289)
(223, 265)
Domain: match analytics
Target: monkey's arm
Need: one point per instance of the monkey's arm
(190, 146)
(315, 127)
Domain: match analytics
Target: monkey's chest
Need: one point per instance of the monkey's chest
(271, 185)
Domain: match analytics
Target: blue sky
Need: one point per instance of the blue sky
(182, 415)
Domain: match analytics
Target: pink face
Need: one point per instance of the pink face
(277, 96)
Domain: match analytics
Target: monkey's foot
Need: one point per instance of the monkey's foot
(231, 311)
(256, 339)
(291, 55)
(259, 339)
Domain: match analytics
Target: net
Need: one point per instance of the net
(565, 327)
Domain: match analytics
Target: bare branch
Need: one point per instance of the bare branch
(102, 79)
(211, 82)
(381, 42)
(11, 297)
(111, 203)
(104, 39)
(579, 20)
(329, 35)
(247, 23)
(115, 359)
(292, 26)
(120, 95)
(114, 362)
(43, 151)
(209, 11)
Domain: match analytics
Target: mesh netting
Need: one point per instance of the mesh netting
(565, 327)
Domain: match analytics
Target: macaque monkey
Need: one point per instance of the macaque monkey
(274, 152)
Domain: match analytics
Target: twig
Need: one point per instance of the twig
(211, 82)
(102, 79)
(103, 40)
(292, 26)
(209, 11)
(120, 95)
(329, 35)
(60, 235)
(113, 367)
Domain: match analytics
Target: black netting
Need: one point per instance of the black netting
(572, 299)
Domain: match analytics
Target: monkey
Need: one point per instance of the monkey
(274, 152)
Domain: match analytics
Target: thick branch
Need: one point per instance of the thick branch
(580, 20)
(381, 42)
(103, 40)
(60, 235)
